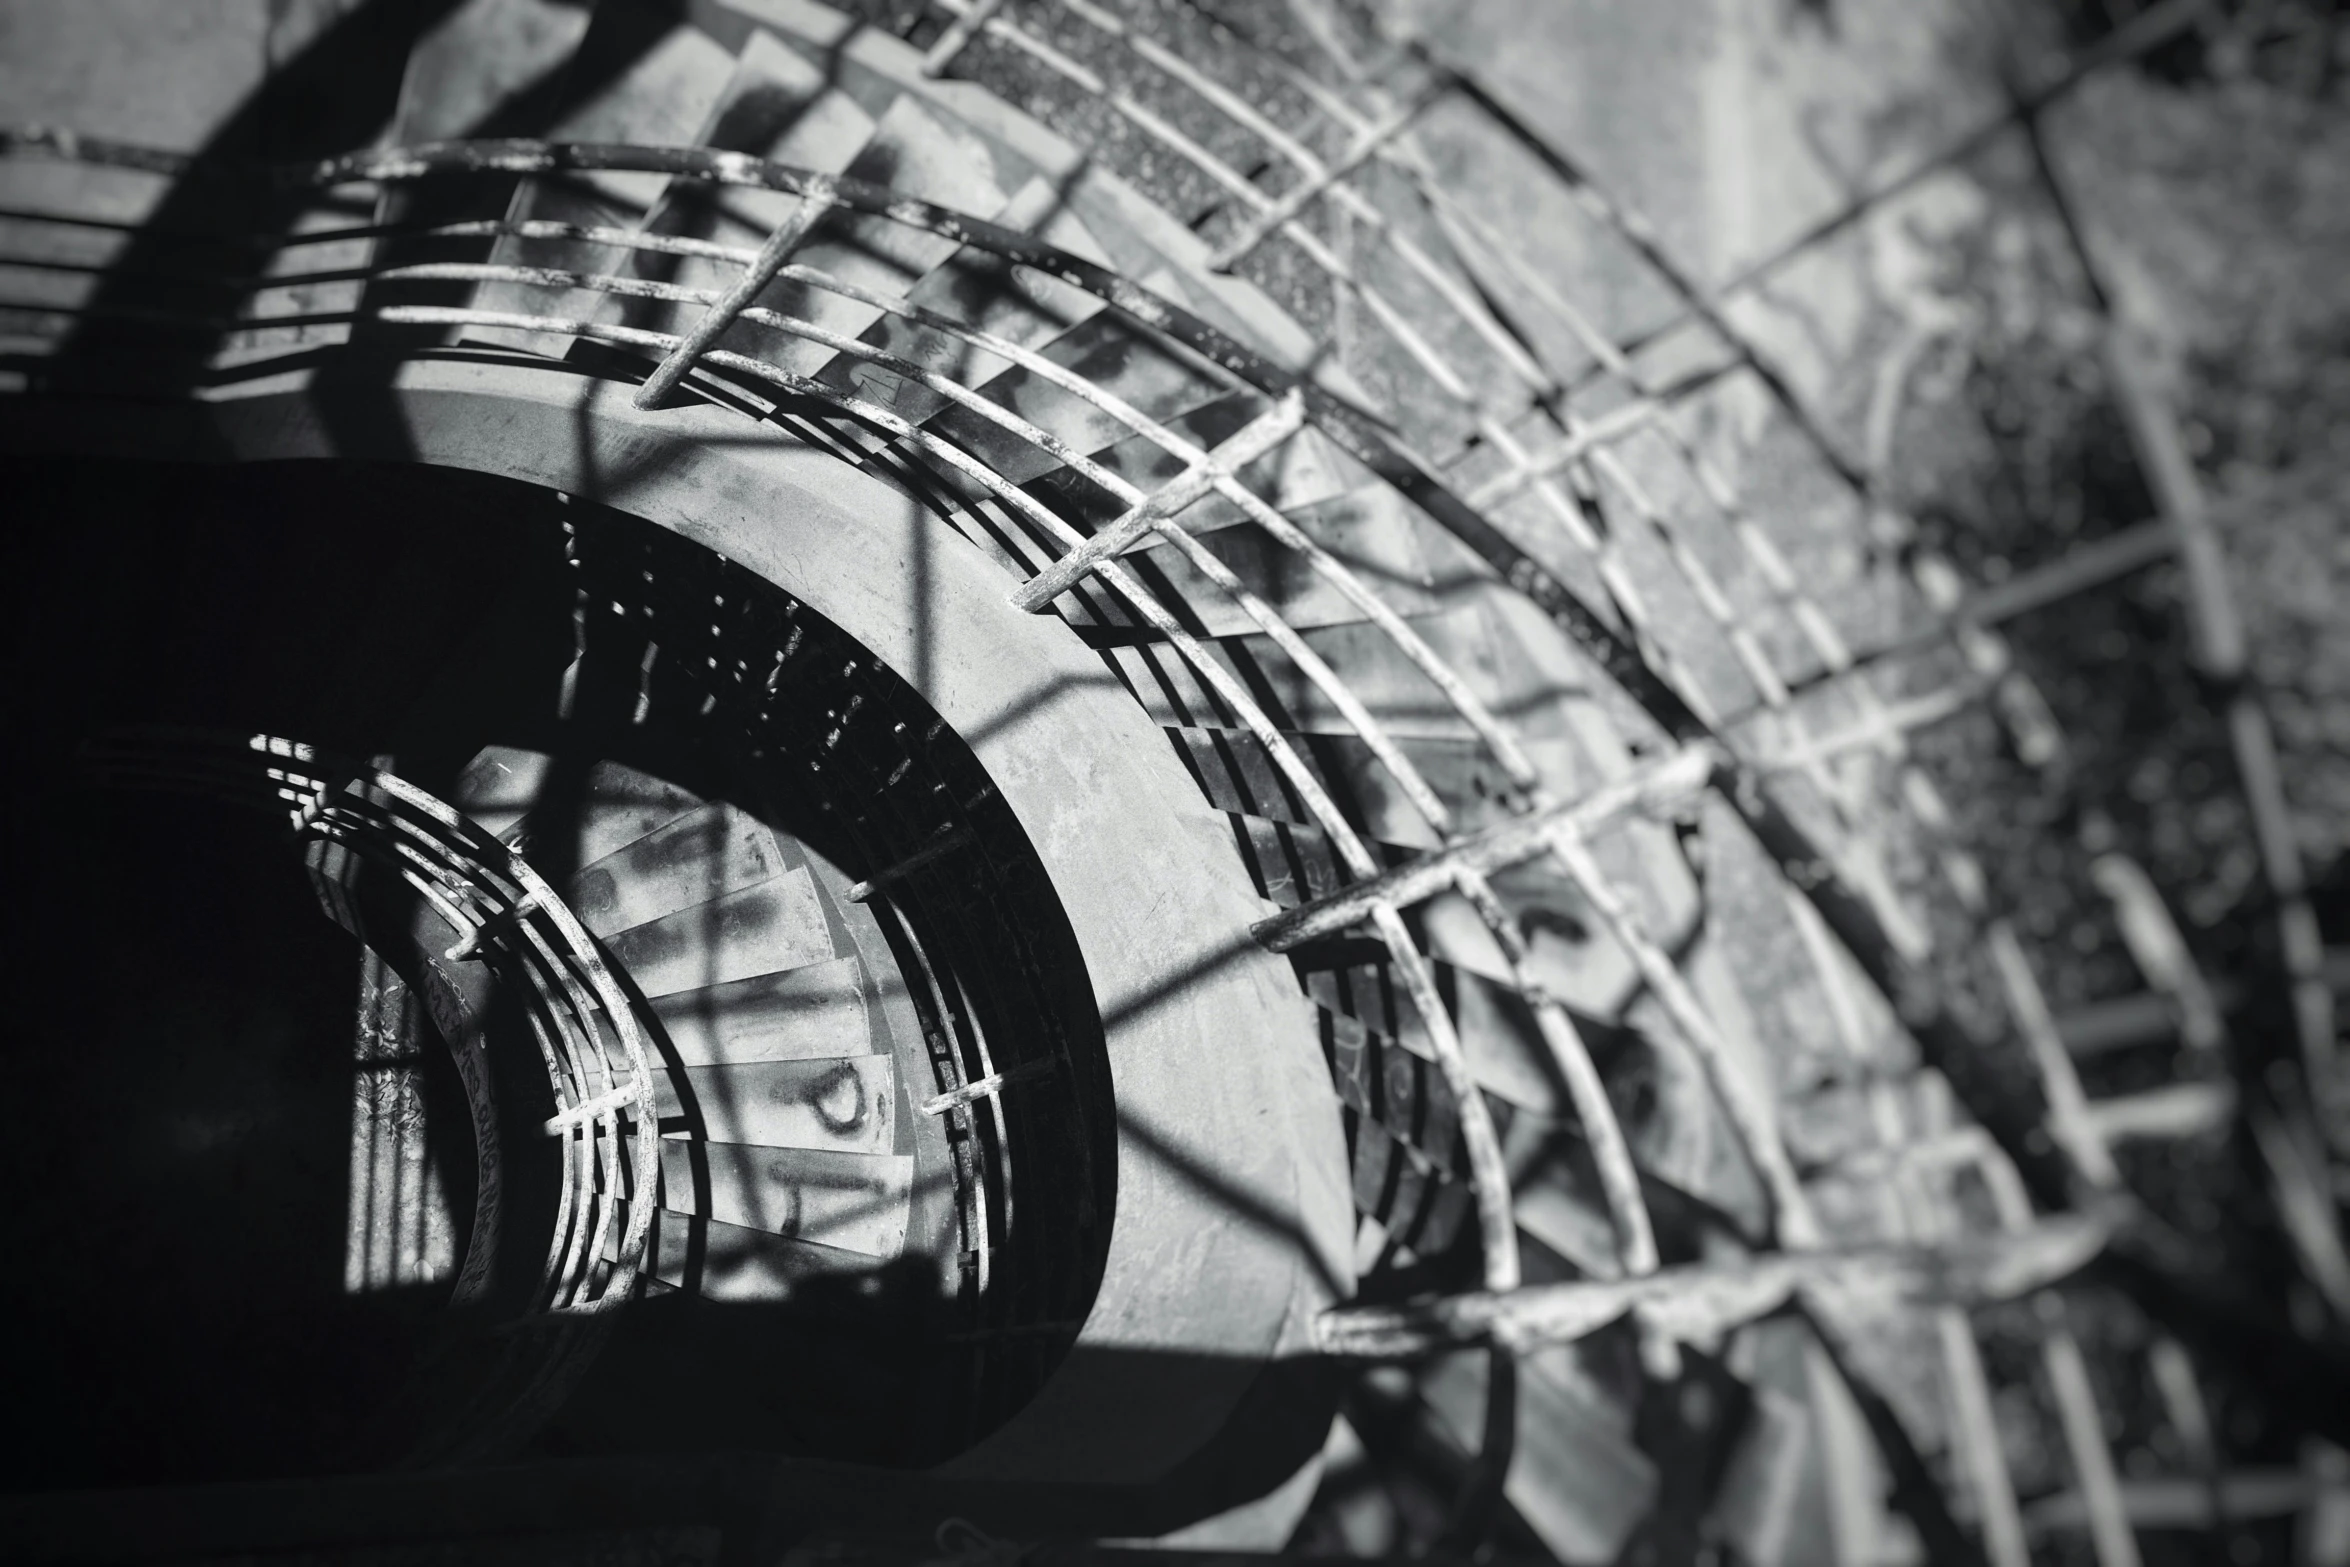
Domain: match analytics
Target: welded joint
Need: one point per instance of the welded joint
(986, 1087)
(815, 202)
(493, 925)
(588, 1110)
(1258, 438)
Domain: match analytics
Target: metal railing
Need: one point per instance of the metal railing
(505, 915)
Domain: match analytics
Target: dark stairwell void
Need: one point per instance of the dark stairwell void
(181, 1040)
(204, 1297)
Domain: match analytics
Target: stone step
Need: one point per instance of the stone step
(844, 1104)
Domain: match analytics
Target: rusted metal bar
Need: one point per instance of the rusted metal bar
(2305, 1205)
(1260, 437)
(1660, 788)
(1616, 424)
(2184, 1502)
(621, 1098)
(1885, 728)
(944, 844)
(788, 236)
(958, 36)
(2068, 1380)
(986, 1087)
(2068, 1105)
(2110, 1534)
(1603, 1133)
(451, 863)
(2155, 944)
(1976, 1436)
(1703, 1301)
(2222, 657)
(2109, 559)
(2173, 1111)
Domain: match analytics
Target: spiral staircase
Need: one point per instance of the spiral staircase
(1107, 846)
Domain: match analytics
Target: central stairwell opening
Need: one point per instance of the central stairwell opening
(887, 1150)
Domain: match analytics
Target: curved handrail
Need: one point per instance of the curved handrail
(506, 914)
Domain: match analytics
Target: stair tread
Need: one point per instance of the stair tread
(1576, 1229)
(1108, 351)
(742, 1263)
(848, 1201)
(843, 1103)
(695, 859)
(775, 925)
(622, 805)
(649, 80)
(914, 154)
(499, 786)
(805, 1013)
(503, 786)
(1506, 1056)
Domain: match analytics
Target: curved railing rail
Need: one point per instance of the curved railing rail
(506, 915)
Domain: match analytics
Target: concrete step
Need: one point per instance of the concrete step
(846, 1104)
(1153, 377)
(813, 1012)
(1576, 1474)
(765, 929)
(477, 64)
(695, 859)
(615, 805)
(741, 1263)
